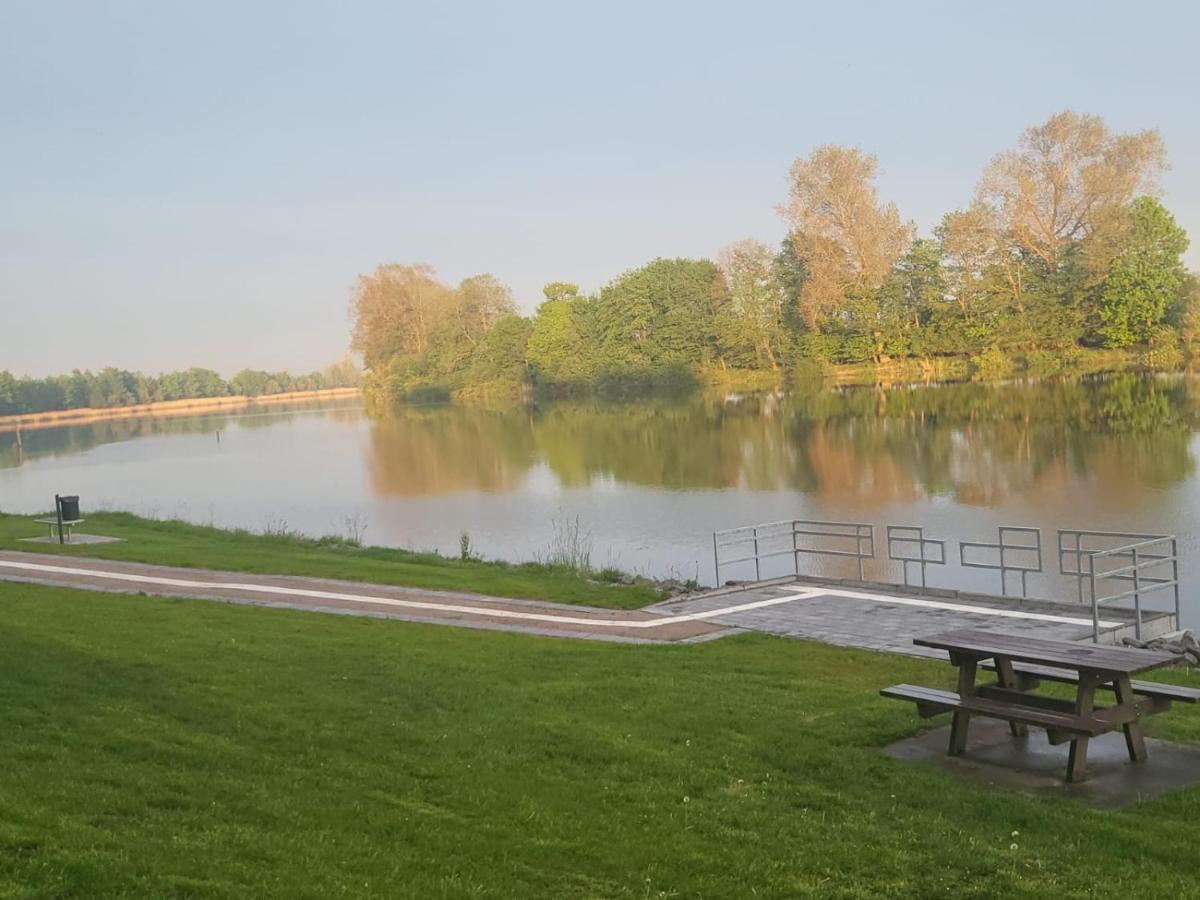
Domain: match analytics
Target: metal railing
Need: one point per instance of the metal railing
(1149, 562)
(793, 537)
(1008, 543)
(902, 538)
(1108, 566)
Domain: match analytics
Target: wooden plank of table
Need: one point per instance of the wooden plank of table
(1063, 654)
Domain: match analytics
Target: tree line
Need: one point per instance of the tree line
(113, 387)
(1064, 248)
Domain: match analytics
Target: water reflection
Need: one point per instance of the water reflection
(33, 444)
(977, 444)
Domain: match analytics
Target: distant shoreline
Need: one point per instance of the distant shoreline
(87, 415)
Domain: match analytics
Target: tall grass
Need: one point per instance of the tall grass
(570, 547)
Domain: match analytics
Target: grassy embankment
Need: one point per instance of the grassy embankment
(174, 543)
(159, 748)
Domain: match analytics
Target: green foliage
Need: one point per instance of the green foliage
(993, 364)
(1146, 279)
(661, 314)
(555, 351)
(968, 294)
(1163, 352)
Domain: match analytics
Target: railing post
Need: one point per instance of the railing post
(716, 560)
(1175, 577)
(795, 550)
(757, 571)
(1095, 607)
(1137, 598)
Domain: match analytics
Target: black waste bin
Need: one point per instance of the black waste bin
(68, 508)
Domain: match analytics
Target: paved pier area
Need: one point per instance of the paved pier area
(880, 617)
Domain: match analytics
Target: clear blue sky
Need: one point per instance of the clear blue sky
(200, 183)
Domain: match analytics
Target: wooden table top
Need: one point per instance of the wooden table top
(1061, 654)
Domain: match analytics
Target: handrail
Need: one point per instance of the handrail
(774, 539)
(1002, 546)
(907, 535)
(1143, 569)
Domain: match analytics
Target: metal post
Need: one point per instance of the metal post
(716, 560)
(858, 537)
(1079, 568)
(795, 550)
(1175, 576)
(58, 514)
(1095, 607)
(1137, 598)
(757, 572)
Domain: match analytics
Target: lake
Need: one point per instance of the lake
(650, 481)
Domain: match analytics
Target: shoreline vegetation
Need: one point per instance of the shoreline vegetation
(165, 408)
(1063, 263)
(87, 393)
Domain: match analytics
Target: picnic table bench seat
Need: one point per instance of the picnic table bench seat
(932, 701)
(1034, 673)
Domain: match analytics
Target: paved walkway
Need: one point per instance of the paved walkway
(363, 599)
(870, 619)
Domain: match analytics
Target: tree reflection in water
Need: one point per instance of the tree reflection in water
(978, 444)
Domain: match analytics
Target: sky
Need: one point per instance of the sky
(201, 183)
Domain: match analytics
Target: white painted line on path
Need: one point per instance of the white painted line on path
(970, 608)
(390, 601)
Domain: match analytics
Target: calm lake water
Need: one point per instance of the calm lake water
(650, 481)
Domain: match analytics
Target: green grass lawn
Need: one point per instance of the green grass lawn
(160, 748)
(176, 543)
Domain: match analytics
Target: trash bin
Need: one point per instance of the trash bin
(69, 508)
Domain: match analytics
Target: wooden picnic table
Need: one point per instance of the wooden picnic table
(1021, 663)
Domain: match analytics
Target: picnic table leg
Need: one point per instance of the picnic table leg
(962, 719)
(1008, 679)
(1135, 737)
(1084, 702)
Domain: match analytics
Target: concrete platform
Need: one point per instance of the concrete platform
(76, 539)
(889, 617)
(996, 759)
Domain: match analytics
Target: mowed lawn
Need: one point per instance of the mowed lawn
(161, 748)
(176, 543)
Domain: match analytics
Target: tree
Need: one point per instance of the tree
(1147, 279)
(499, 361)
(752, 320)
(561, 290)
(343, 373)
(481, 301)
(8, 398)
(555, 351)
(395, 312)
(661, 314)
(847, 238)
(790, 274)
(1186, 314)
(1070, 180)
